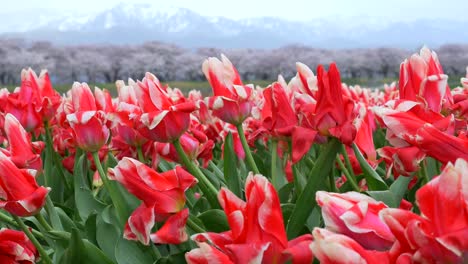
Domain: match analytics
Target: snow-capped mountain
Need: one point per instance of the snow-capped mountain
(137, 23)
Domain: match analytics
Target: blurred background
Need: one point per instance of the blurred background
(100, 42)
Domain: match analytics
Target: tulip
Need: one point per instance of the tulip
(22, 103)
(21, 150)
(308, 81)
(15, 247)
(356, 216)
(277, 115)
(402, 161)
(21, 195)
(441, 146)
(329, 247)
(257, 230)
(334, 113)
(439, 234)
(162, 119)
(162, 194)
(125, 117)
(365, 126)
(90, 130)
(231, 101)
(49, 99)
(173, 230)
(195, 148)
(422, 79)
(88, 123)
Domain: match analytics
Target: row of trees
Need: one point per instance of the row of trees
(107, 63)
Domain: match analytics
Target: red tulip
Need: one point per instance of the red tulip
(49, 99)
(231, 101)
(103, 100)
(163, 194)
(365, 126)
(334, 113)
(195, 148)
(356, 216)
(257, 230)
(88, 123)
(20, 194)
(402, 161)
(90, 130)
(308, 81)
(24, 153)
(277, 115)
(206, 254)
(441, 146)
(439, 234)
(460, 101)
(15, 247)
(329, 247)
(173, 230)
(22, 103)
(422, 79)
(162, 120)
(125, 118)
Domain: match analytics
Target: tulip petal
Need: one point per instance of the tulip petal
(173, 230)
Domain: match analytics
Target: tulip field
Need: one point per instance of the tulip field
(307, 170)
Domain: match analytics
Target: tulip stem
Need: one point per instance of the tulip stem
(347, 161)
(331, 179)
(155, 251)
(274, 169)
(306, 201)
(194, 226)
(423, 172)
(9, 221)
(141, 157)
(33, 239)
(205, 185)
(43, 222)
(52, 157)
(117, 199)
(53, 215)
(248, 154)
(348, 176)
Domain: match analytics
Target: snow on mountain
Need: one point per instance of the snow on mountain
(137, 23)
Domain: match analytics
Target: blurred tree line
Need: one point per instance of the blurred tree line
(108, 63)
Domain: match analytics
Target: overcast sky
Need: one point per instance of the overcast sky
(289, 9)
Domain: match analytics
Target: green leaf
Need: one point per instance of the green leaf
(278, 178)
(214, 220)
(129, 252)
(90, 228)
(373, 179)
(107, 234)
(395, 194)
(384, 196)
(86, 204)
(74, 253)
(432, 167)
(174, 258)
(400, 187)
(314, 219)
(287, 210)
(285, 192)
(201, 205)
(82, 251)
(212, 178)
(231, 174)
(66, 221)
(306, 201)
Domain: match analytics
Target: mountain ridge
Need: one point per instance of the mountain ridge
(138, 23)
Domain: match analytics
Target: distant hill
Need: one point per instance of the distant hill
(137, 23)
